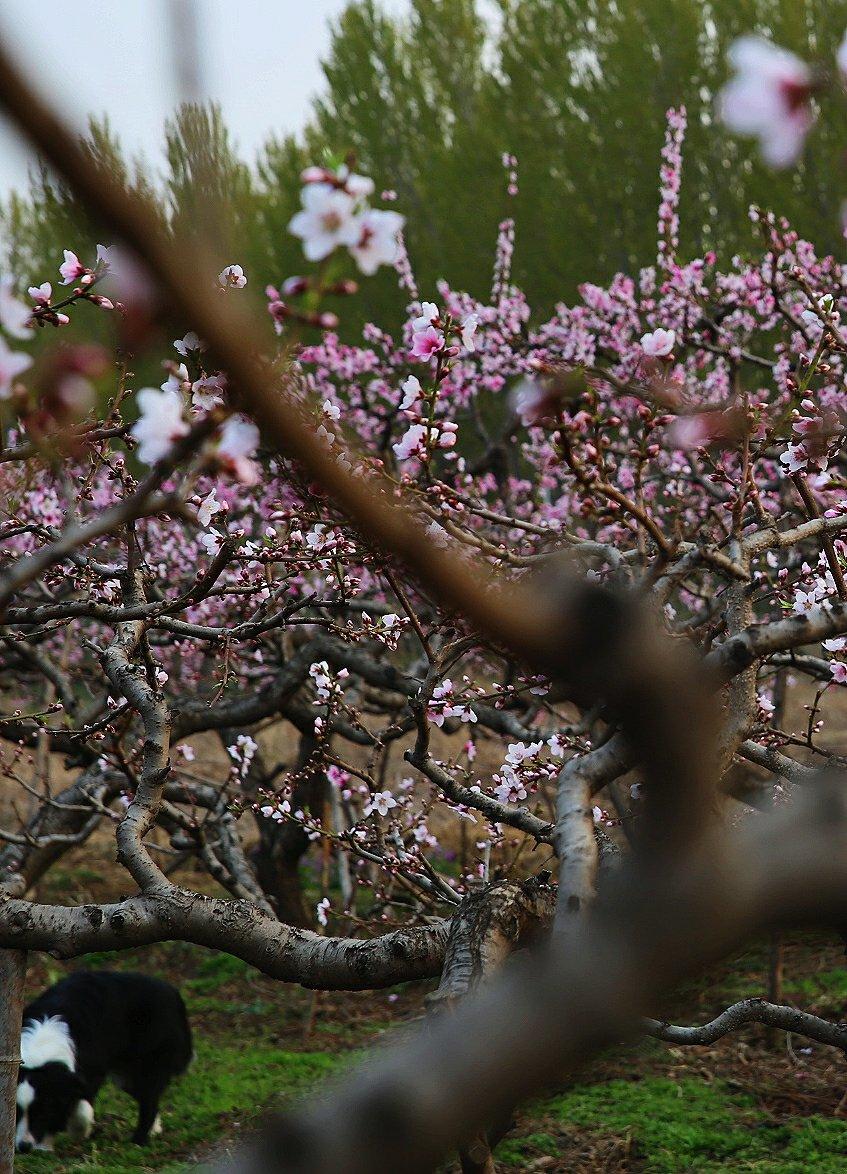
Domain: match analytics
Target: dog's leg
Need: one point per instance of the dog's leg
(82, 1120)
(148, 1112)
(156, 1128)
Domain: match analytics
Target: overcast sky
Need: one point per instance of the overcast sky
(259, 58)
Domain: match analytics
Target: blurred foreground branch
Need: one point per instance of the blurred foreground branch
(411, 1105)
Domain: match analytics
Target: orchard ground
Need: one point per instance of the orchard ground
(747, 1103)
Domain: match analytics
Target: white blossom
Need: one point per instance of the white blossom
(378, 242)
(327, 220)
(159, 425)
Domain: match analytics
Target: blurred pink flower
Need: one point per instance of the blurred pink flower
(239, 441)
(769, 97)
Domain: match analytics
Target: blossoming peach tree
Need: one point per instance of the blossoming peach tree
(168, 585)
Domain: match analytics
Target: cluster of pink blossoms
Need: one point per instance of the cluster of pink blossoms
(680, 430)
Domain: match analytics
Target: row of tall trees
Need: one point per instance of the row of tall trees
(576, 89)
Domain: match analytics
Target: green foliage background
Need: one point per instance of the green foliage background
(577, 89)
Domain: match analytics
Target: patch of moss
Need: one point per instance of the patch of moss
(520, 1150)
(691, 1125)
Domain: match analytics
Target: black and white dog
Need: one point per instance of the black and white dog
(91, 1025)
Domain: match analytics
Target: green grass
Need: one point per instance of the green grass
(225, 1088)
(642, 1105)
(677, 1125)
(829, 986)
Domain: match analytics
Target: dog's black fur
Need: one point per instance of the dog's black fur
(129, 1027)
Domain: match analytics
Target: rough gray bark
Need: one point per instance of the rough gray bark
(576, 847)
(485, 930)
(489, 926)
(236, 927)
(751, 1011)
(12, 973)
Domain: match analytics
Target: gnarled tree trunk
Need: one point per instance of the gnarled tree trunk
(487, 928)
(276, 859)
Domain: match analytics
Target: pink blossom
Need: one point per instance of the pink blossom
(41, 293)
(160, 424)
(327, 220)
(427, 342)
(670, 176)
(211, 542)
(659, 343)
(413, 444)
(359, 186)
(209, 506)
(321, 910)
(71, 268)
(794, 458)
(511, 791)
(177, 380)
(378, 242)
(232, 277)
(239, 441)
(806, 602)
(315, 175)
(428, 316)
(382, 802)
(12, 364)
(769, 98)
(838, 668)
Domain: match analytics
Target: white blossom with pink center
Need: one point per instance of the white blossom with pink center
(232, 277)
(769, 97)
(328, 220)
